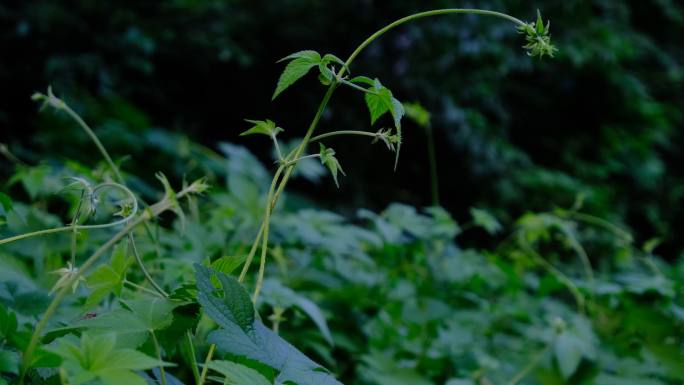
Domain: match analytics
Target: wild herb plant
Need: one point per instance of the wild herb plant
(147, 329)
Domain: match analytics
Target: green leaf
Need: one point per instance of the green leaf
(301, 63)
(234, 308)
(276, 294)
(418, 114)
(5, 208)
(8, 322)
(237, 374)
(329, 160)
(131, 331)
(154, 313)
(379, 101)
(9, 362)
(228, 263)
(568, 352)
(263, 127)
(231, 308)
(485, 220)
(96, 357)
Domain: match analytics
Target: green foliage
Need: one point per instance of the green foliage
(244, 335)
(97, 358)
(399, 296)
(236, 374)
(300, 63)
(329, 160)
(264, 127)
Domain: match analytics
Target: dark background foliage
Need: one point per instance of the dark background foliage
(603, 119)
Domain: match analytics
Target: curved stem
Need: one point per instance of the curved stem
(273, 198)
(419, 15)
(122, 221)
(138, 258)
(579, 298)
(95, 140)
(343, 132)
(532, 364)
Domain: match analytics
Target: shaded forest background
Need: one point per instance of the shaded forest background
(603, 120)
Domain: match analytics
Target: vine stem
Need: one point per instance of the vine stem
(148, 214)
(119, 178)
(263, 232)
(205, 368)
(89, 131)
(122, 221)
(162, 372)
(579, 298)
(343, 132)
(532, 364)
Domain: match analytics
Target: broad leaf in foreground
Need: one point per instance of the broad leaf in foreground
(243, 334)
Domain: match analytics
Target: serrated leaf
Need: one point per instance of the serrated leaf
(328, 159)
(254, 341)
(237, 374)
(235, 308)
(379, 101)
(263, 127)
(301, 63)
(228, 263)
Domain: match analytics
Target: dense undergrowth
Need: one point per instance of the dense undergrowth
(558, 297)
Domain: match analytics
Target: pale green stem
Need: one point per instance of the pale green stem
(122, 221)
(162, 372)
(532, 364)
(292, 162)
(74, 231)
(579, 298)
(146, 273)
(357, 87)
(277, 147)
(95, 140)
(264, 237)
(343, 132)
(205, 368)
(143, 288)
(193, 358)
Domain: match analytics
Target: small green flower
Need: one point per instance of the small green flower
(538, 38)
(67, 273)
